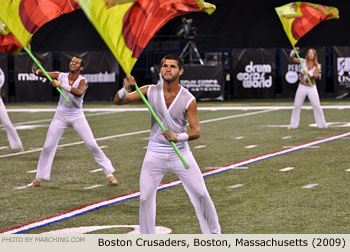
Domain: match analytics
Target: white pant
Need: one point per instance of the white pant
(155, 165)
(79, 123)
(312, 94)
(14, 140)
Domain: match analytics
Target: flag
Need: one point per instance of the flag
(8, 43)
(298, 18)
(128, 25)
(24, 17)
(3, 29)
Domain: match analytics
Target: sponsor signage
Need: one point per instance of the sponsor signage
(341, 69)
(3, 76)
(28, 86)
(101, 71)
(254, 73)
(205, 82)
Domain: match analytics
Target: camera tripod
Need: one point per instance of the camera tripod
(191, 50)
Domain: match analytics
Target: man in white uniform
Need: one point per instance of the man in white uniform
(12, 136)
(174, 106)
(74, 86)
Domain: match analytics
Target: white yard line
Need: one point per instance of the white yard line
(235, 186)
(50, 119)
(200, 146)
(221, 108)
(96, 170)
(250, 146)
(309, 186)
(236, 116)
(132, 133)
(287, 169)
(76, 143)
(92, 187)
(128, 109)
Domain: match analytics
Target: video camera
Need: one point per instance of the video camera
(187, 30)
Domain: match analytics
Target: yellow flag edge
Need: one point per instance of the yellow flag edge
(97, 11)
(9, 14)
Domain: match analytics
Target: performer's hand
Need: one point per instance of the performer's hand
(56, 83)
(35, 68)
(298, 49)
(170, 135)
(128, 82)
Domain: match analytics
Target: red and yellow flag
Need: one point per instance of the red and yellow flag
(24, 17)
(128, 25)
(8, 42)
(298, 18)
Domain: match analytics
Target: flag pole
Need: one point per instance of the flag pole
(302, 65)
(44, 71)
(161, 125)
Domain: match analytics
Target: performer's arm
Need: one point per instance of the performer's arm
(83, 85)
(124, 97)
(316, 73)
(53, 75)
(79, 91)
(293, 56)
(193, 132)
(37, 71)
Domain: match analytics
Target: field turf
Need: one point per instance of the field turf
(253, 199)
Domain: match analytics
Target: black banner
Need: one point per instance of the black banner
(101, 70)
(341, 69)
(28, 86)
(291, 72)
(254, 73)
(205, 82)
(4, 77)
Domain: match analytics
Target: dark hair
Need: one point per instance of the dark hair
(81, 60)
(173, 57)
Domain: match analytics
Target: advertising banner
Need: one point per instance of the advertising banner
(4, 77)
(291, 72)
(254, 73)
(101, 71)
(341, 69)
(205, 82)
(28, 86)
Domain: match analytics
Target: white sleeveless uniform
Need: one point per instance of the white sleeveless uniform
(161, 157)
(312, 94)
(69, 115)
(12, 136)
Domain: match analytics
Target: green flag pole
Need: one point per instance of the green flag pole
(161, 125)
(46, 74)
(302, 65)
